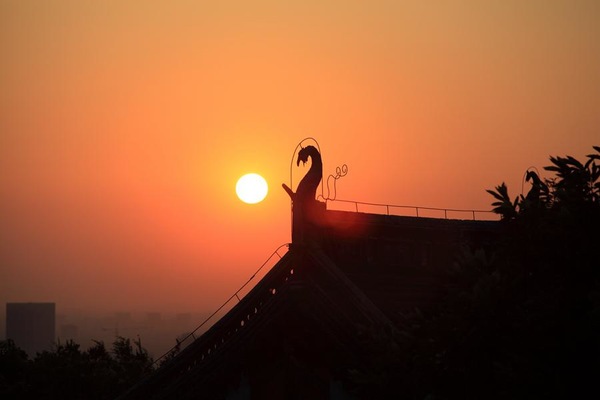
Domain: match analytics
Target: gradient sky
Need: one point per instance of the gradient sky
(124, 126)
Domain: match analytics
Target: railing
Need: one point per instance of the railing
(416, 209)
(192, 336)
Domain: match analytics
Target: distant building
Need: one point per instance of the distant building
(124, 318)
(31, 325)
(153, 318)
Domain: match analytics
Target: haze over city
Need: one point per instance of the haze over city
(125, 126)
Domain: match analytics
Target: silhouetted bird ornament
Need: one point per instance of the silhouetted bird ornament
(305, 206)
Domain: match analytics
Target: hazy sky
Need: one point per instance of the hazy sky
(124, 126)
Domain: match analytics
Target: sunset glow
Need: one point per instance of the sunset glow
(125, 125)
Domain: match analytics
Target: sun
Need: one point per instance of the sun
(251, 188)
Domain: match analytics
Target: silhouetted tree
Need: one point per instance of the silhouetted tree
(521, 321)
(575, 189)
(532, 310)
(14, 370)
(66, 372)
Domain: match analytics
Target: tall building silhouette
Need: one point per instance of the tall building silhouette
(31, 325)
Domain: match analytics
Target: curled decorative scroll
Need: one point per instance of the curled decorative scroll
(340, 172)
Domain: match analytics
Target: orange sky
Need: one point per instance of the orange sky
(124, 126)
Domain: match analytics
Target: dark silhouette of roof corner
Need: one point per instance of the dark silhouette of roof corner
(340, 292)
(309, 320)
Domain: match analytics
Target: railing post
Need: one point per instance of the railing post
(356, 205)
(445, 214)
(417, 209)
(387, 208)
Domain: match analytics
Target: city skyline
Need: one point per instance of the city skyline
(158, 332)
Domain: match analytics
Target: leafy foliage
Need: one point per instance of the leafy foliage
(576, 188)
(521, 320)
(504, 206)
(66, 372)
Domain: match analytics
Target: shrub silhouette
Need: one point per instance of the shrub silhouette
(522, 322)
(67, 372)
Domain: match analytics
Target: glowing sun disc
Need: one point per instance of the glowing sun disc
(251, 188)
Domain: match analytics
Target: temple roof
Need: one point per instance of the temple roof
(314, 310)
